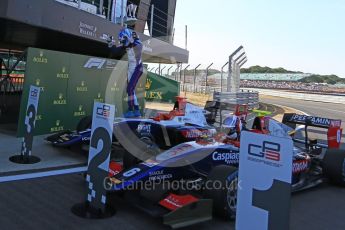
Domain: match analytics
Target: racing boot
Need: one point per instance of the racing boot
(129, 114)
(137, 113)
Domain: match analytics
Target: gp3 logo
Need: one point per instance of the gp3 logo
(34, 93)
(103, 111)
(268, 150)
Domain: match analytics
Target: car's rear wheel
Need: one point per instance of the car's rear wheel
(334, 166)
(150, 150)
(221, 186)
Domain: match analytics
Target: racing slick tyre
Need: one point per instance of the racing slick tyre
(334, 166)
(84, 124)
(129, 160)
(221, 187)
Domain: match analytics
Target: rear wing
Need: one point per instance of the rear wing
(293, 118)
(332, 125)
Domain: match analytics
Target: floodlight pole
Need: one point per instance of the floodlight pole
(151, 24)
(184, 77)
(178, 66)
(231, 67)
(245, 58)
(101, 3)
(208, 67)
(122, 16)
(242, 63)
(194, 79)
(186, 38)
(161, 71)
(238, 68)
(239, 57)
(169, 71)
(108, 13)
(221, 76)
(180, 79)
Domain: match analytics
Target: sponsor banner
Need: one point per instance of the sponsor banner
(173, 201)
(176, 151)
(144, 128)
(300, 166)
(159, 88)
(230, 158)
(264, 182)
(70, 84)
(312, 121)
(43, 71)
(99, 153)
(150, 163)
(194, 133)
(159, 175)
(30, 120)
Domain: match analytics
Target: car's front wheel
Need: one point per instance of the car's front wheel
(221, 186)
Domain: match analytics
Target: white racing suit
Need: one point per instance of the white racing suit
(133, 47)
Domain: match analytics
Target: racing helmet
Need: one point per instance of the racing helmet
(125, 37)
(232, 125)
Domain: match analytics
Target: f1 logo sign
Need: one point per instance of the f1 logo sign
(268, 150)
(95, 62)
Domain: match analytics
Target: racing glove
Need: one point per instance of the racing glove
(110, 41)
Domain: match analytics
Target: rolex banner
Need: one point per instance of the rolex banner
(162, 89)
(70, 84)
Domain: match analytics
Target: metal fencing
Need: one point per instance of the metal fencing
(224, 86)
(250, 98)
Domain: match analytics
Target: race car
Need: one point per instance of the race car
(184, 123)
(196, 167)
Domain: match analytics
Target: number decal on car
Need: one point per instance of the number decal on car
(131, 172)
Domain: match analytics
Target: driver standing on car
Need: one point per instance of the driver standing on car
(131, 44)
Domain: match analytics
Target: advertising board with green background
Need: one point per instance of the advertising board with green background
(70, 83)
(162, 89)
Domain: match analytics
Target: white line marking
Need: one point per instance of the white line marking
(42, 174)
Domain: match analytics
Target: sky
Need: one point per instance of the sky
(301, 35)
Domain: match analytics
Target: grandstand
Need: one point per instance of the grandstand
(273, 76)
(285, 77)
